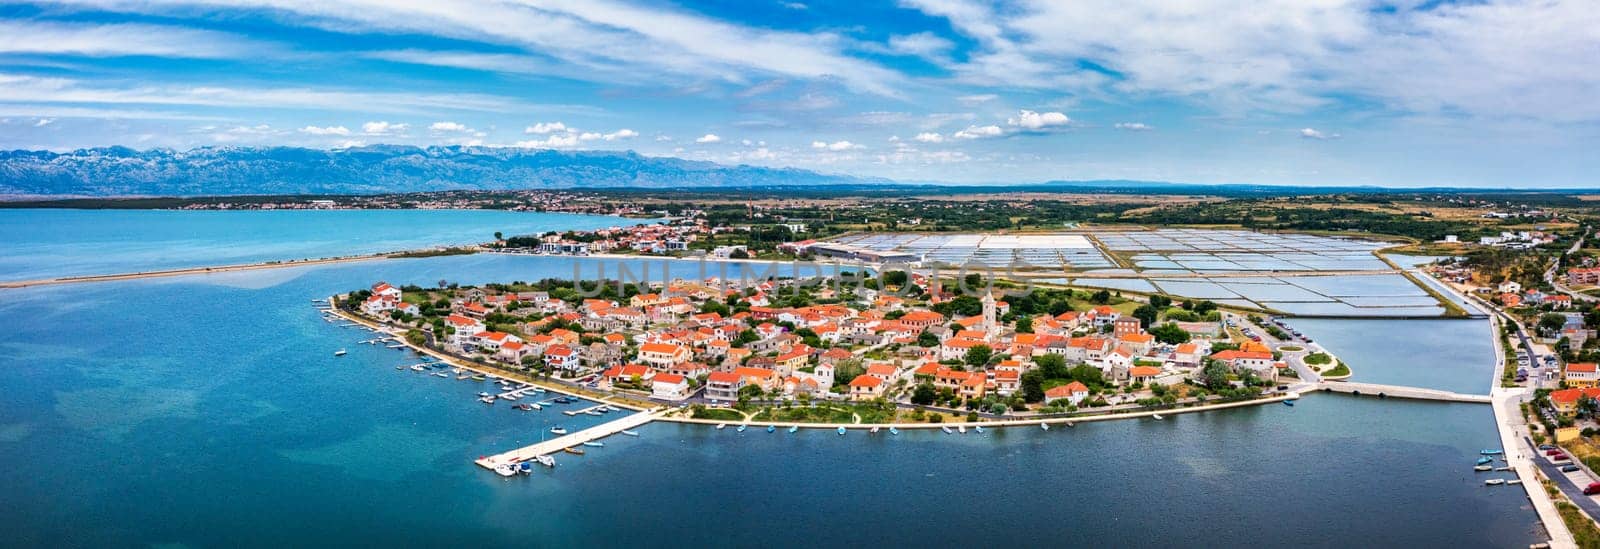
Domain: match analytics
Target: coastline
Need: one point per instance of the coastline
(278, 264)
(635, 406)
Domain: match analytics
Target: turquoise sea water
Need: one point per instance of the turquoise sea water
(52, 243)
(209, 411)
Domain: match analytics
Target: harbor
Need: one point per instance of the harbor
(564, 442)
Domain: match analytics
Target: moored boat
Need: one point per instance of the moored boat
(894, 431)
(741, 428)
(1481, 468)
(1492, 452)
(1157, 416)
(546, 461)
(979, 428)
(771, 428)
(340, 352)
(594, 444)
(1484, 460)
(961, 429)
(1045, 426)
(630, 433)
(793, 428)
(945, 428)
(874, 430)
(721, 426)
(1494, 481)
(559, 430)
(841, 431)
(573, 451)
(1289, 402)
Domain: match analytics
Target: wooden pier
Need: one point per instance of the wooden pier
(567, 441)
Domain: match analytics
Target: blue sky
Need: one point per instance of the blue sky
(1400, 93)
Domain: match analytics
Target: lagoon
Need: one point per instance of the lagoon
(50, 243)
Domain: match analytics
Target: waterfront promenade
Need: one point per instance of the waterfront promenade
(1399, 391)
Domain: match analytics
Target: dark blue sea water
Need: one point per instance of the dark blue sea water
(209, 411)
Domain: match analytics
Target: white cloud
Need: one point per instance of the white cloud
(1313, 133)
(795, 6)
(922, 44)
(1134, 126)
(454, 127)
(384, 127)
(1451, 58)
(16, 88)
(623, 133)
(708, 138)
(124, 39)
(325, 130)
(42, 122)
(546, 128)
(979, 132)
(835, 146)
(930, 137)
(560, 141)
(977, 98)
(651, 40)
(1038, 120)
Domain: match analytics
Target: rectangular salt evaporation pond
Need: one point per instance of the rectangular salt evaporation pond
(1347, 310)
(1130, 284)
(1357, 285)
(1276, 292)
(1447, 354)
(1202, 290)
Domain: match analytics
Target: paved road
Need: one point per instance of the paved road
(1563, 482)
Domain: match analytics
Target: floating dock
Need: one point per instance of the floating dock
(563, 442)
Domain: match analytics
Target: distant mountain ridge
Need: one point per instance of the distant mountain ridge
(217, 171)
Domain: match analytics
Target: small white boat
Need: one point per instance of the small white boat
(1157, 417)
(340, 352)
(1481, 468)
(482, 394)
(961, 429)
(487, 400)
(508, 396)
(1514, 481)
(721, 426)
(596, 413)
(1494, 482)
(873, 430)
(440, 374)
(536, 406)
(1045, 426)
(630, 433)
(546, 461)
(945, 428)
(505, 470)
(559, 430)
(593, 444)
(417, 368)
(979, 428)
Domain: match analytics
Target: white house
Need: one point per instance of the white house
(669, 387)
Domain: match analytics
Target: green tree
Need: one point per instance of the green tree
(1025, 325)
(1102, 297)
(1088, 375)
(1052, 366)
(1147, 315)
(1033, 386)
(924, 394)
(1552, 322)
(1160, 301)
(1215, 375)
(978, 355)
(1170, 333)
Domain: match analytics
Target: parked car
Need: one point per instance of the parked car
(1547, 446)
(1592, 489)
(1552, 450)
(1572, 469)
